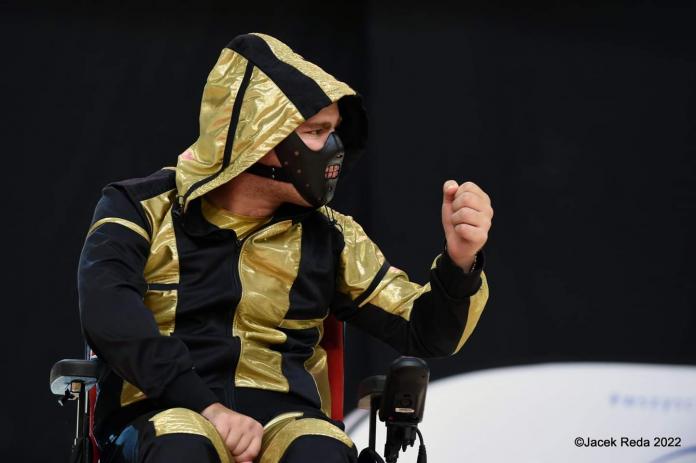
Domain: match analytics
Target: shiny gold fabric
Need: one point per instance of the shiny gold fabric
(185, 421)
(361, 259)
(272, 427)
(123, 222)
(396, 294)
(162, 267)
(318, 367)
(278, 437)
(302, 324)
(267, 116)
(242, 225)
(477, 303)
(333, 88)
(219, 94)
(268, 264)
(162, 264)
(130, 394)
(162, 303)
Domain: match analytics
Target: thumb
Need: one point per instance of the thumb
(448, 191)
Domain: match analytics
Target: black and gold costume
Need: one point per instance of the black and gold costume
(189, 305)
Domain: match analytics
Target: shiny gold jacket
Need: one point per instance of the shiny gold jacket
(187, 310)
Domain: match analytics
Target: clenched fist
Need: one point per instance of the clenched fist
(466, 218)
(241, 434)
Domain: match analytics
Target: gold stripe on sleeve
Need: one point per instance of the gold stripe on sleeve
(126, 223)
(477, 302)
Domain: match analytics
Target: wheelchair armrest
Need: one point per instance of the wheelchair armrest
(369, 387)
(67, 371)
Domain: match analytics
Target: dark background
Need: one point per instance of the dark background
(579, 121)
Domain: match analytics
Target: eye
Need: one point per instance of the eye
(315, 132)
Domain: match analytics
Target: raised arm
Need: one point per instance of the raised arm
(433, 320)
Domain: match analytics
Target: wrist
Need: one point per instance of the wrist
(212, 410)
(466, 263)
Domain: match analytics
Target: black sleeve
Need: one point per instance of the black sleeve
(116, 323)
(432, 320)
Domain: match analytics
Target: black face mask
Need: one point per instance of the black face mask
(313, 173)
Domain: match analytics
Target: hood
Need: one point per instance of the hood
(259, 92)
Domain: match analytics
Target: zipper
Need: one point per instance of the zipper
(229, 385)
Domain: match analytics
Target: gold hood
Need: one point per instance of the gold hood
(257, 93)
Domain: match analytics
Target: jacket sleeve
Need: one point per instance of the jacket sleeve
(116, 323)
(433, 320)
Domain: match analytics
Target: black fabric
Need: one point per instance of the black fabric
(294, 356)
(196, 365)
(437, 318)
(316, 275)
(353, 131)
(116, 323)
(459, 284)
(263, 405)
(320, 449)
(162, 286)
(274, 173)
(370, 456)
(209, 293)
(138, 443)
(304, 92)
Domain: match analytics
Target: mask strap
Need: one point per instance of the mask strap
(274, 173)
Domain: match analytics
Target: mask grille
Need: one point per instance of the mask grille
(332, 171)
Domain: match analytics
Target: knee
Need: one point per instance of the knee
(180, 432)
(297, 440)
(319, 448)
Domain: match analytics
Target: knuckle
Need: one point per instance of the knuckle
(465, 197)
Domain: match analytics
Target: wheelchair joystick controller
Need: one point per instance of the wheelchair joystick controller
(402, 405)
(400, 399)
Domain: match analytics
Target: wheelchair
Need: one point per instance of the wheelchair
(398, 398)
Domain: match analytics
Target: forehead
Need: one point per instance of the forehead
(328, 114)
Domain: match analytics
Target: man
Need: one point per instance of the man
(204, 287)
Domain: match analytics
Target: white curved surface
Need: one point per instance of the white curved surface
(535, 413)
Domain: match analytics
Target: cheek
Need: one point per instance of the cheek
(313, 142)
(270, 159)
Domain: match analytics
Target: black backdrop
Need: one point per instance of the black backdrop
(578, 120)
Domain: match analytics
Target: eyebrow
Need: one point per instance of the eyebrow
(321, 125)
